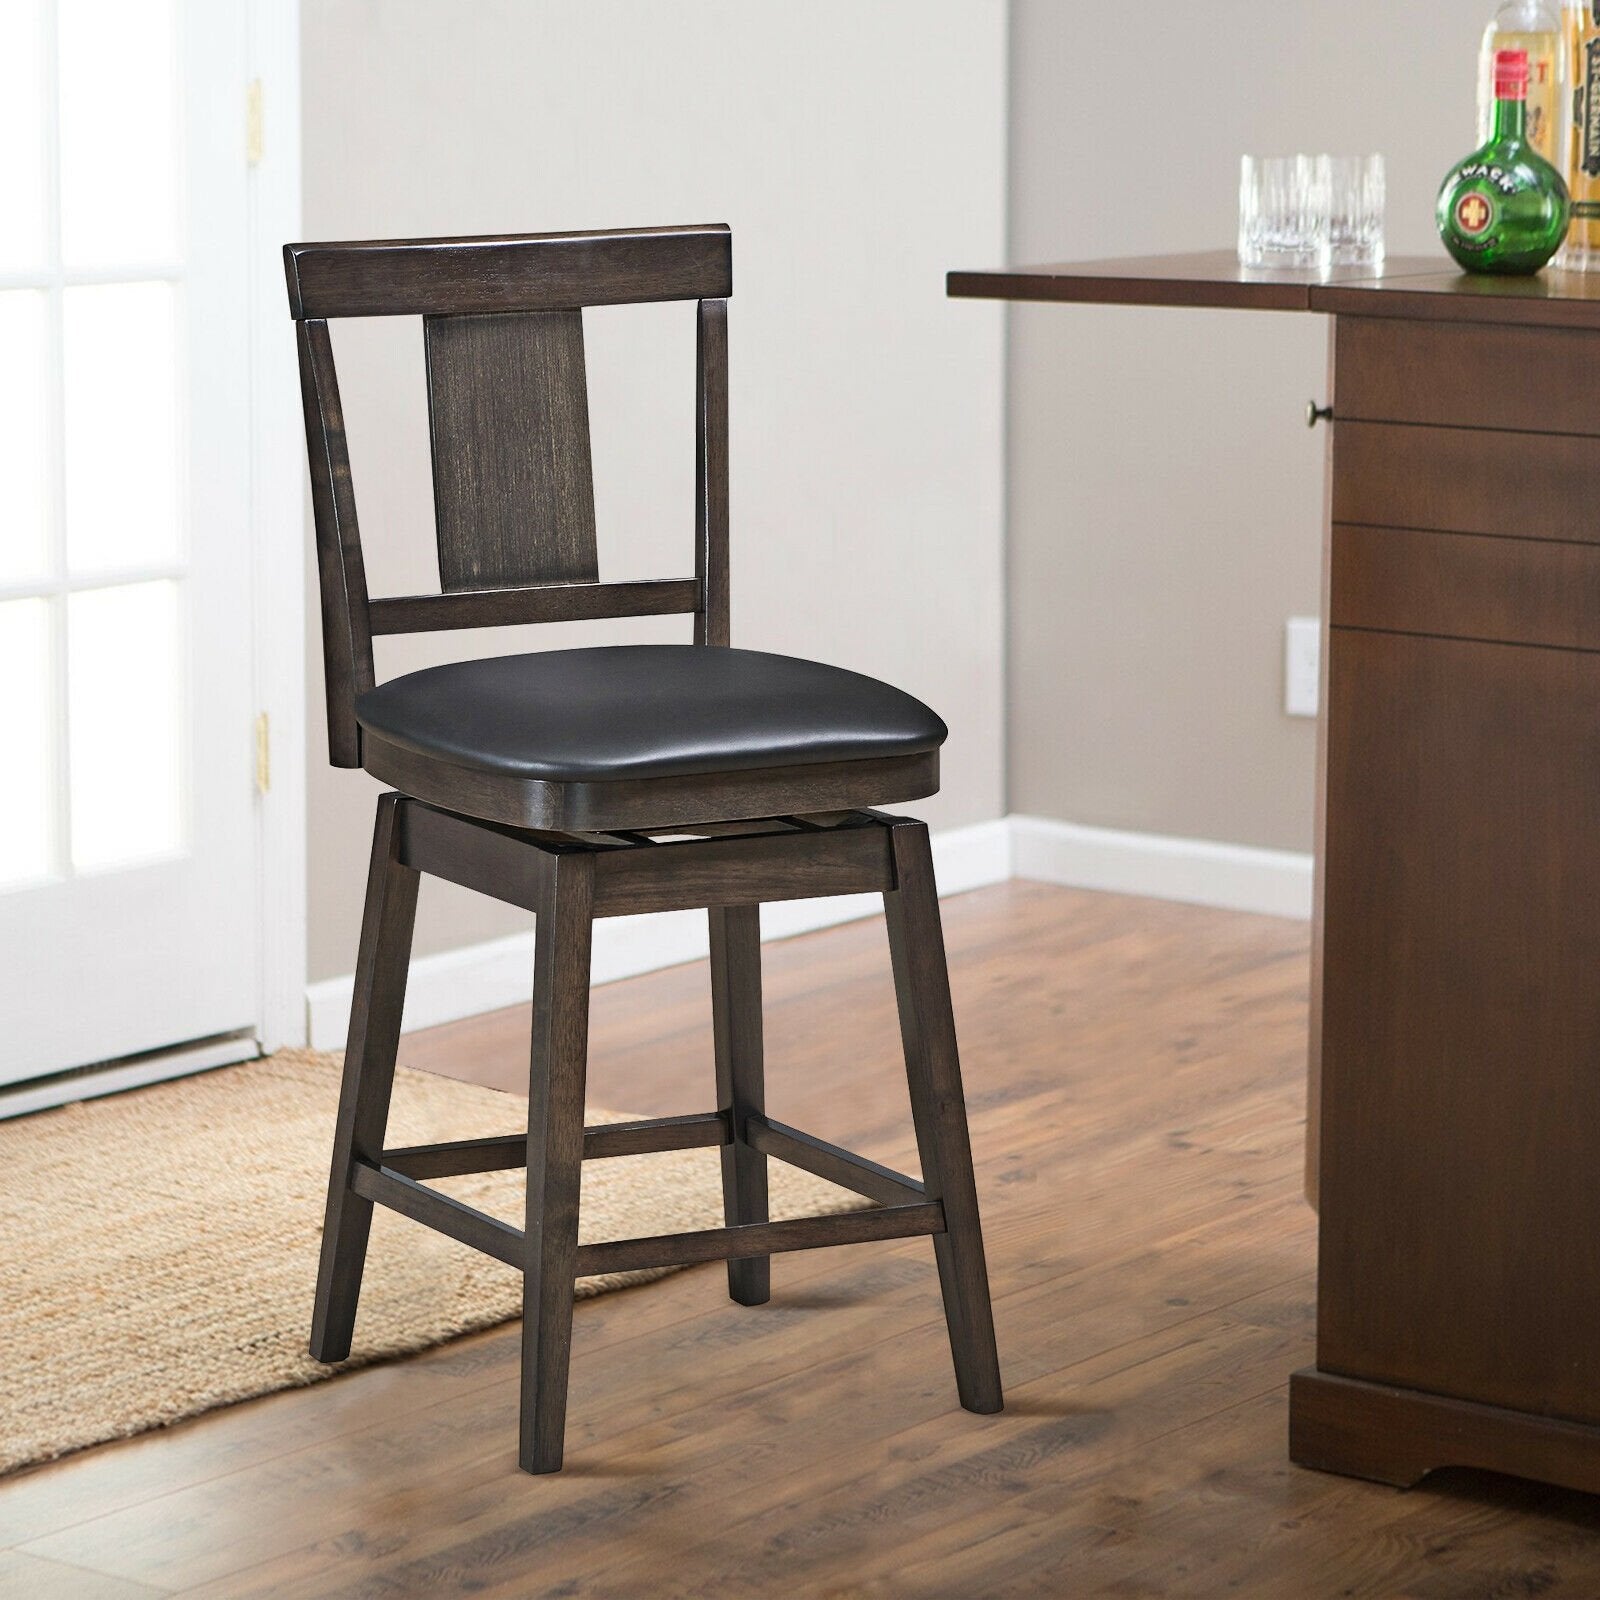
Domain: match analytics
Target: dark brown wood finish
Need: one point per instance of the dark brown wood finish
(444, 1214)
(1462, 586)
(1398, 1436)
(555, 1154)
(1536, 380)
(568, 881)
(938, 1108)
(540, 602)
(843, 1167)
(508, 415)
(700, 1130)
(369, 1060)
(653, 802)
(502, 1152)
(741, 1082)
(711, 473)
(757, 1241)
(513, 487)
(638, 875)
(1211, 278)
(741, 872)
(341, 571)
(1459, 1281)
(1459, 1267)
(1467, 480)
(1550, 299)
(1319, 821)
(1406, 288)
(1460, 1100)
(510, 272)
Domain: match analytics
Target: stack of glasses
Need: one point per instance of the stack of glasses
(1311, 211)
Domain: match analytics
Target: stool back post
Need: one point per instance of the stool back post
(711, 622)
(509, 432)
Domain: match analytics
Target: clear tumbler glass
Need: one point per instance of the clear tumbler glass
(1284, 211)
(1356, 199)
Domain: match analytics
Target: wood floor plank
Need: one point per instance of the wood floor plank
(1135, 1071)
(689, 1380)
(28, 1578)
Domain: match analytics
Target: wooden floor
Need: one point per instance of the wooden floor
(1136, 1076)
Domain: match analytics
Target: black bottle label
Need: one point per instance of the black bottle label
(1591, 105)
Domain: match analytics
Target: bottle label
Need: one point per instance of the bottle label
(1475, 214)
(1591, 107)
(1489, 173)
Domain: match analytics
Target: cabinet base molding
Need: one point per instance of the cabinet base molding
(1399, 1436)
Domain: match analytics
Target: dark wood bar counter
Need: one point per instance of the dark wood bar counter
(1455, 1128)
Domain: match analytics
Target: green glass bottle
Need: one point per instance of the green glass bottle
(1505, 208)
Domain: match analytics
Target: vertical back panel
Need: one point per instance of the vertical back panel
(512, 482)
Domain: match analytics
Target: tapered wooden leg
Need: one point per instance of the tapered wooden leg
(927, 1028)
(555, 1153)
(736, 1021)
(369, 1059)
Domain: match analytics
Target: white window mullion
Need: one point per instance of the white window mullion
(55, 410)
(88, 277)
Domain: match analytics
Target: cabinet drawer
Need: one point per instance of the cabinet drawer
(1465, 586)
(1455, 375)
(1461, 480)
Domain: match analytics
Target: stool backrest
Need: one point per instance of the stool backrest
(508, 419)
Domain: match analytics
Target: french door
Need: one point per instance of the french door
(128, 877)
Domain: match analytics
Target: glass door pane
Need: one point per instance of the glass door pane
(24, 129)
(119, 131)
(125, 719)
(120, 381)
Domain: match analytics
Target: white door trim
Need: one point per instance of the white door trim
(278, 520)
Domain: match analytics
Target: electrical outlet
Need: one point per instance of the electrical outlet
(1302, 665)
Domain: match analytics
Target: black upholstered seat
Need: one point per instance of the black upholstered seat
(645, 711)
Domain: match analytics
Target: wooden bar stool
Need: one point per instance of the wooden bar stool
(599, 782)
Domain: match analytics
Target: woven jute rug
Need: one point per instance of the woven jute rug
(158, 1249)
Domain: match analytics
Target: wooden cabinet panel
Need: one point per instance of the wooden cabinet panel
(1460, 1250)
(1466, 586)
(1461, 480)
(1452, 375)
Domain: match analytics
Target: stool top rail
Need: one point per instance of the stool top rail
(508, 272)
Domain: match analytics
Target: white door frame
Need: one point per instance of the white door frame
(278, 519)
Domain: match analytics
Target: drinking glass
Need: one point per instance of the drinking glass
(1285, 211)
(1355, 210)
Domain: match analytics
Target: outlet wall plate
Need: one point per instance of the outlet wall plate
(1302, 666)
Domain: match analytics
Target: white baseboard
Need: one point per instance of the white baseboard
(1236, 877)
(485, 977)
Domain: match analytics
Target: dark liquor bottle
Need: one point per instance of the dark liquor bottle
(1504, 209)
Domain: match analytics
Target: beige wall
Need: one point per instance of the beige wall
(1165, 497)
(857, 150)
